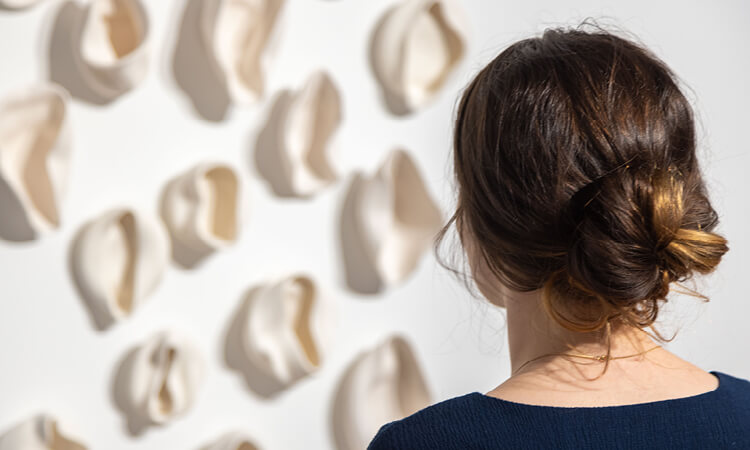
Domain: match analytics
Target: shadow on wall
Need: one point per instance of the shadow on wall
(192, 70)
(135, 422)
(268, 151)
(395, 105)
(13, 223)
(235, 357)
(99, 320)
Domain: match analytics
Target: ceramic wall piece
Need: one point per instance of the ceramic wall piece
(18, 4)
(288, 328)
(164, 378)
(37, 433)
(381, 385)
(201, 207)
(309, 127)
(35, 147)
(233, 441)
(237, 34)
(114, 45)
(396, 217)
(119, 259)
(415, 48)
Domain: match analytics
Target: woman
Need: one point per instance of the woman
(581, 204)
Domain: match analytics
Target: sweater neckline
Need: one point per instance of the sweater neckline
(672, 401)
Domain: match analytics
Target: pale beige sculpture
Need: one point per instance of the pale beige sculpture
(381, 385)
(35, 147)
(164, 378)
(18, 4)
(233, 441)
(307, 134)
(201, 207)
(37, 433)
(415, 49)
(114, 46)
(119, 258)
(288, 328)
(396, 217)
(237, 34)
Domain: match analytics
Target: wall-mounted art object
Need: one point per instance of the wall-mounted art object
(238, 34)
(159, 381)
(201, 208)
(114, 46)
(118, 260)
(233, 441)
(414, 49)
(381, 385)
(287, 328)
(394, 220)
(35, 147)
(37, 433)
(18, 4)
(297, 144)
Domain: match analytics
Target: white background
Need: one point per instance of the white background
(53, 360)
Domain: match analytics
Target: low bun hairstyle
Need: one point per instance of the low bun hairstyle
(575, 160)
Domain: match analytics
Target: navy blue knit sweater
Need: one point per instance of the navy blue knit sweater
(718, 419)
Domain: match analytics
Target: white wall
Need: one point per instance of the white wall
(51, 357)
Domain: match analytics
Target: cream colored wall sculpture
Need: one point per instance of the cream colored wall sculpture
(163, 378)
(236, 34)
(288, 328)
(415, 48)
(233, 441)
(118, 260)
(35, 147)
(201, 208)
(18, 4)
(114, 46)
(396, 217)
(381, 385)
(37, 433)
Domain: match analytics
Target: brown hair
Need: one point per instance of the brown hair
(575, 160)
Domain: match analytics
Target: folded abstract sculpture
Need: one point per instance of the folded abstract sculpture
(164, 377)
(237, 34)
(288, 328)
(35, 147)
(119, 259)
(18, 4)
(381, 385)
(415, 48)
(114, 45)
(37, 433)
(396, 217)
(201, 207)
(233, 441)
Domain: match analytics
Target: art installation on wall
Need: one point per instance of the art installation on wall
(18, 4)
(118, 260)
(38, 433)
(381, 385)
(159, 381)
(201, 209)
(35, 148)
(299, 137)
(288, 328)
(233, 441)
(114, 46)
(414, 49)
(394, 218)
(237, 34)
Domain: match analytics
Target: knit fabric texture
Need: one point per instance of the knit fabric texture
(718, 419)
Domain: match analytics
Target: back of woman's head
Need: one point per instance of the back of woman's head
(575, 158)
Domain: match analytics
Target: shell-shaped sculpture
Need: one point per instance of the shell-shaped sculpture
(114, 46)
(309, 126)
(237, 34)
(165, 376)
(381, 385)
(415, 49)
(288, 328)
(18, 4)
(119, 259)
(201, 207)
(233, 441)
(396, 217)
(37, 433)
(35, 146)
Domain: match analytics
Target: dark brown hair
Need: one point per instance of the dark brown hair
(575, 160)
